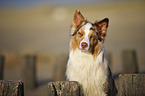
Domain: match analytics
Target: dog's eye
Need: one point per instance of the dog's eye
(92, 36)
(80, 33)
(92, 29)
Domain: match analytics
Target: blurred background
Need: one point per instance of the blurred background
(41, 28)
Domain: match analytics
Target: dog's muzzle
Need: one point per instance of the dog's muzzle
(84, 45)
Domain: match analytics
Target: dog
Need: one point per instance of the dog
(87, 63)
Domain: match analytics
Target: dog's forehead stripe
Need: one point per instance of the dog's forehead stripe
(86, 36)
(87, 28)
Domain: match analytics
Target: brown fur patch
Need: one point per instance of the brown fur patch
(74, 44)
(93, 40)
(101, 27)
(96, 50)
(94, 46)
(77, 39)
(78, 19)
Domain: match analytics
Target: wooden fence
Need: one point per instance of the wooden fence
(63, 88)
(28, 71)
(11, 88)
(131, 85)
(130, 64)
(1, 66)
(128, 84)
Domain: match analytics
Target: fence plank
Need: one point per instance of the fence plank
(131, 85)
(28, 71)
(1, 67)
(130, 64)
(60, 67)
(11, 88)
(63, 88)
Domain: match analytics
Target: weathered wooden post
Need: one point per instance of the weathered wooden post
(29, 71)
(11, 88)
(64, 88)
(60, 67)
(130, 64)
(1, 67)
(131, 85)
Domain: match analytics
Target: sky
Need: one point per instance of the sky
(20, 3)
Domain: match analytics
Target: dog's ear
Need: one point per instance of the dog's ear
(78, 19)
(101, 27)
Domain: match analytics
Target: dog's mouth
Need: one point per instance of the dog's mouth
(84, 50)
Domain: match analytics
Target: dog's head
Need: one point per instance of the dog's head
(87, 35)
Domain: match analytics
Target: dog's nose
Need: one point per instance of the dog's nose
(84, 45)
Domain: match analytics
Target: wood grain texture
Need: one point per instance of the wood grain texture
(63, 88)
(131, 85)
(11, 88)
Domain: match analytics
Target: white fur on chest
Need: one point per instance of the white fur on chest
(90, 72)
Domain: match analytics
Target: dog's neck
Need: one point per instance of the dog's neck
(99, 52)
(79, 60)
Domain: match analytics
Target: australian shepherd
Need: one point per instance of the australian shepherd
(87, 62)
